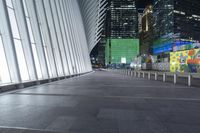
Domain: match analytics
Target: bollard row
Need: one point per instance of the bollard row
(141, 74)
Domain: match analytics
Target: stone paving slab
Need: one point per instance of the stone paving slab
(101, 102)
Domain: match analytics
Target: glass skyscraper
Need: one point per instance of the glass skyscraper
(122, 19)
(175, 20)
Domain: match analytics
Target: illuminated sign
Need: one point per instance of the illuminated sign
(185, 61)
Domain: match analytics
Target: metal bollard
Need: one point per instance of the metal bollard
(149, 75)
(164, 77)
(143, 75)
(131, 73)
(156, 76)
(189, 80)
(175, 78)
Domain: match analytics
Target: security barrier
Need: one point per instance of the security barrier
(188, 79)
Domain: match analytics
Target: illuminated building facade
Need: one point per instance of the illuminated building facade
(177, 25)
(122, 19)
(122, 32)
(146, 36)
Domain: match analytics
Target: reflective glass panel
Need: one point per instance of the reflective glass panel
(37, 63)
(4, 71)
(21, 60)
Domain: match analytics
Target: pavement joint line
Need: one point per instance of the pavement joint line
(76, 77)
(122, 98)
(35, 86)
(174, 86)
(162, 98)
(29, 129)
(68, 87)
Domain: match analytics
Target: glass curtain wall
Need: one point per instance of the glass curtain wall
(25, 76)
(39, 40)
(4, 72)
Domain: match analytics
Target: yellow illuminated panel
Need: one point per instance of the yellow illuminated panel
(185, 61)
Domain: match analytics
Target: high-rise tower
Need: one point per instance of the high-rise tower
(122, 32)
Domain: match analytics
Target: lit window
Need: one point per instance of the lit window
(179, 12)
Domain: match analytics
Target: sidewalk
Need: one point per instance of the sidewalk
(102, 102)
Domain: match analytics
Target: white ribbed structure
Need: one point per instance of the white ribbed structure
(93, 12)
(44, 39)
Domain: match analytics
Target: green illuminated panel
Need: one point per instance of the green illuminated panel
(121, 48)
(107, 53)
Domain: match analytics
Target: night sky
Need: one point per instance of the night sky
(143, 3)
